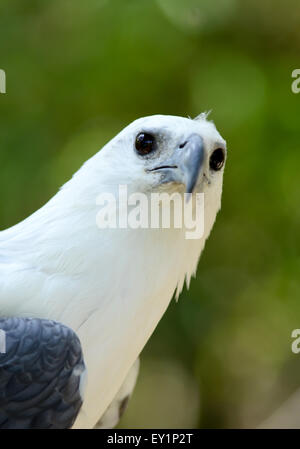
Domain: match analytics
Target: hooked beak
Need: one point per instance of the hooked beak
(185, 164)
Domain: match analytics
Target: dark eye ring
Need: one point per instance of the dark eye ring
(144, 143)
(217, 159)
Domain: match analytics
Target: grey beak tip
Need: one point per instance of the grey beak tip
(194, 162)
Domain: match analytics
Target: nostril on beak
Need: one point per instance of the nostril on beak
(183, 144)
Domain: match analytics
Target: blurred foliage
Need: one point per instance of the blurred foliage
(77, 72)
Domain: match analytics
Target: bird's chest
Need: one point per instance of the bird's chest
(131, 298)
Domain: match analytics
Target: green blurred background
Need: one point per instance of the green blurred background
(77, 73)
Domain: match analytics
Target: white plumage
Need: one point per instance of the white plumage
(111, 286)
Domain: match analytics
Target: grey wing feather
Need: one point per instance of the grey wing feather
(40, 374)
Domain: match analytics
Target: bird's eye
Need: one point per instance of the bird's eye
(144, 143)
(217, 159)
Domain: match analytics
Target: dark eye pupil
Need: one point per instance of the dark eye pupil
(144, 143)
(216, 161)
